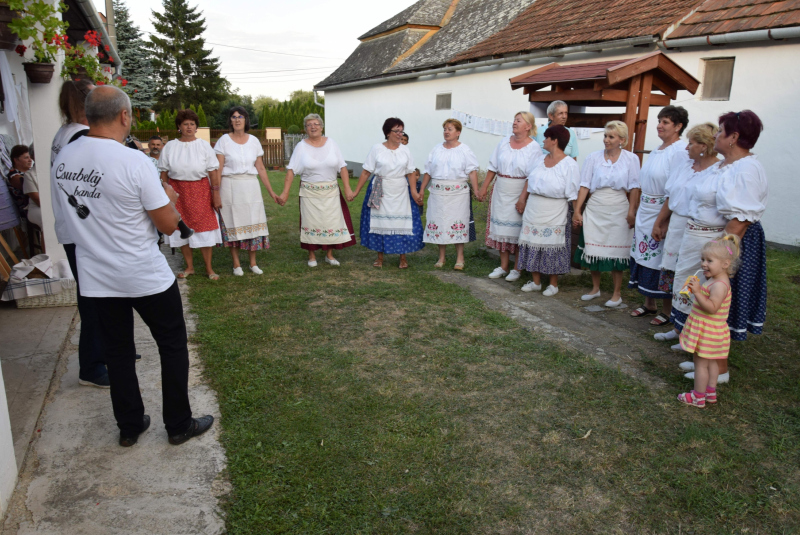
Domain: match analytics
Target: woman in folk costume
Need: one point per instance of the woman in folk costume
(668, 160)
(450, 169)
(244, 220)
(732, 200)
(544, 241)
(191, 168)
(324, 217)
(611, 176)
(675, 215)
(512, 161)
(390, 220)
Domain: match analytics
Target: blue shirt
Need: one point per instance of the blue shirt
(572, 146)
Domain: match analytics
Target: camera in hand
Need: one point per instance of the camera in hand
(80, 209)
(185, 230)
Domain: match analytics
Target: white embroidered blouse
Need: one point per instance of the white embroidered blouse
(385, 162)
(451, 164)
(736, 191)
(598, 173)
(561, 181)
(239, 159)
(511, 162)
(189, 161)
(317, 164)
(679, 188)
(659, 166)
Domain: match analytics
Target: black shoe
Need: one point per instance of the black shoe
(100, 382)
(138, 357)
(128, 441)
(197, 428)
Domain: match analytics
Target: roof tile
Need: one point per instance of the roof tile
(729, 16)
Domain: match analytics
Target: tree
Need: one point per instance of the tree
(220, 119)
(137, 68)
(201, 114)
(185, 70)
(262, 102)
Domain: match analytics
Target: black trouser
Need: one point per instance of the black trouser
(163, 314)
(90, 347)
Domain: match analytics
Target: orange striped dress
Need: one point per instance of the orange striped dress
(706, 334)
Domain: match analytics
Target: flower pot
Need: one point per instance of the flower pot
(39, 73)
(8, 39)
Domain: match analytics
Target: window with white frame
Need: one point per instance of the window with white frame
(717, 78)
(443, 101)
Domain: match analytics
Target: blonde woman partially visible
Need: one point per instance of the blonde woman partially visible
(512, 161)
(611, 176)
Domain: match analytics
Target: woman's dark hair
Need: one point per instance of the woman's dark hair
(72, 99)
(390, 123)
(560, 134)
(244, 114)
(746, 123)
(186, 115)
(18, 151)
(676, 114)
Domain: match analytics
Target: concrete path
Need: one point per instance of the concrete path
(77, 479)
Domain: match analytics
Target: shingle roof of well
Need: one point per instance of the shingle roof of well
(727, 16)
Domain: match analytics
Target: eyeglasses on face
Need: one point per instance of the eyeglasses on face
(312, 124)
(398, 132)
(236, 117)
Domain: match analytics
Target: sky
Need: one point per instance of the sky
(310, 38)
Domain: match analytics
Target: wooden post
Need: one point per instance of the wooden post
(641, 118)
(11, 254)
(630, 107)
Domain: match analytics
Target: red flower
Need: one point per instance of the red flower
(100, 55)
(21, 49)
(124, 82)
(108, 48)
(99, 83)
(135, 90)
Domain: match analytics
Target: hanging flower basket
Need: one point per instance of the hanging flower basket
(8, 39)
(39, 73)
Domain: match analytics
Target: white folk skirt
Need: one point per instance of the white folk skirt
(447, 214)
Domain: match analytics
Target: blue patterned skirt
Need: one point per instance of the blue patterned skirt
(749, 286)
(391, 243)
(548, 261)
(648, 282)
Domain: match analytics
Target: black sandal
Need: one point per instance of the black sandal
(660, 320)
(642, 312)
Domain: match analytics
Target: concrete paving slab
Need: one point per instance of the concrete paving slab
(77, 479)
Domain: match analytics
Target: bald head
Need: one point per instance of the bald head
(105, 103)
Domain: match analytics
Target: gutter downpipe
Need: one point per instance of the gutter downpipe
(90, 12)
(737, 37)
(321, 105)
(551, 52)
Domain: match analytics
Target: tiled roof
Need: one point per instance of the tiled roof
(727, 16)
(424, 12)
(569, 73)
(555, 23)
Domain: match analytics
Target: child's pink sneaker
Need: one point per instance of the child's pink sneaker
(693, 398)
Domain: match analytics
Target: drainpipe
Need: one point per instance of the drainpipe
(111, 26)
(549, 53)
(737, 37)
(321, 105)
(90, 12)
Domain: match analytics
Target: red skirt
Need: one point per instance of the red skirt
(195, 204)
(348, 222)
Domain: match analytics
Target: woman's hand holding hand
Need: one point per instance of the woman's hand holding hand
(216, 200)
(521, 206)
(419, 198)
(631, 220)
(577, 220)
(282, 198)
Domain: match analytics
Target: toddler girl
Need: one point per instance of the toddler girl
(706, 331)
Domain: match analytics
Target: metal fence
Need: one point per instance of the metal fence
(290, 141)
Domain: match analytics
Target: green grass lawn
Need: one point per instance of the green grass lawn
(358, 400)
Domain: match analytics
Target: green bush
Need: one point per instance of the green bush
(293, 129)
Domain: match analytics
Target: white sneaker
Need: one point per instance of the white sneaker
(614, 304)
(676, 347)
(723, 377)
(312, 263)
(332, 261)
(530, 286)
(687, 366)
(497, 273)
(550, 291)
(589, 297)
(689, 375)
(513, 275)
(256, 270)
(238, 271)
(669, 335)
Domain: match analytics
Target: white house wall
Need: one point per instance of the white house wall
(765, 78)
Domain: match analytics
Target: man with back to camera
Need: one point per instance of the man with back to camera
(112, 202)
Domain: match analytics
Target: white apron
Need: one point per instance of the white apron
(321, 218)
(694, 239)
(606, 233)
(505, 222)
(447, 213)
(544, 223)
(393, 216)
(645, 251)
(242, 207)
(672, 243)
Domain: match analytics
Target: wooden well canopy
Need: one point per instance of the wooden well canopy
(628, 82)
